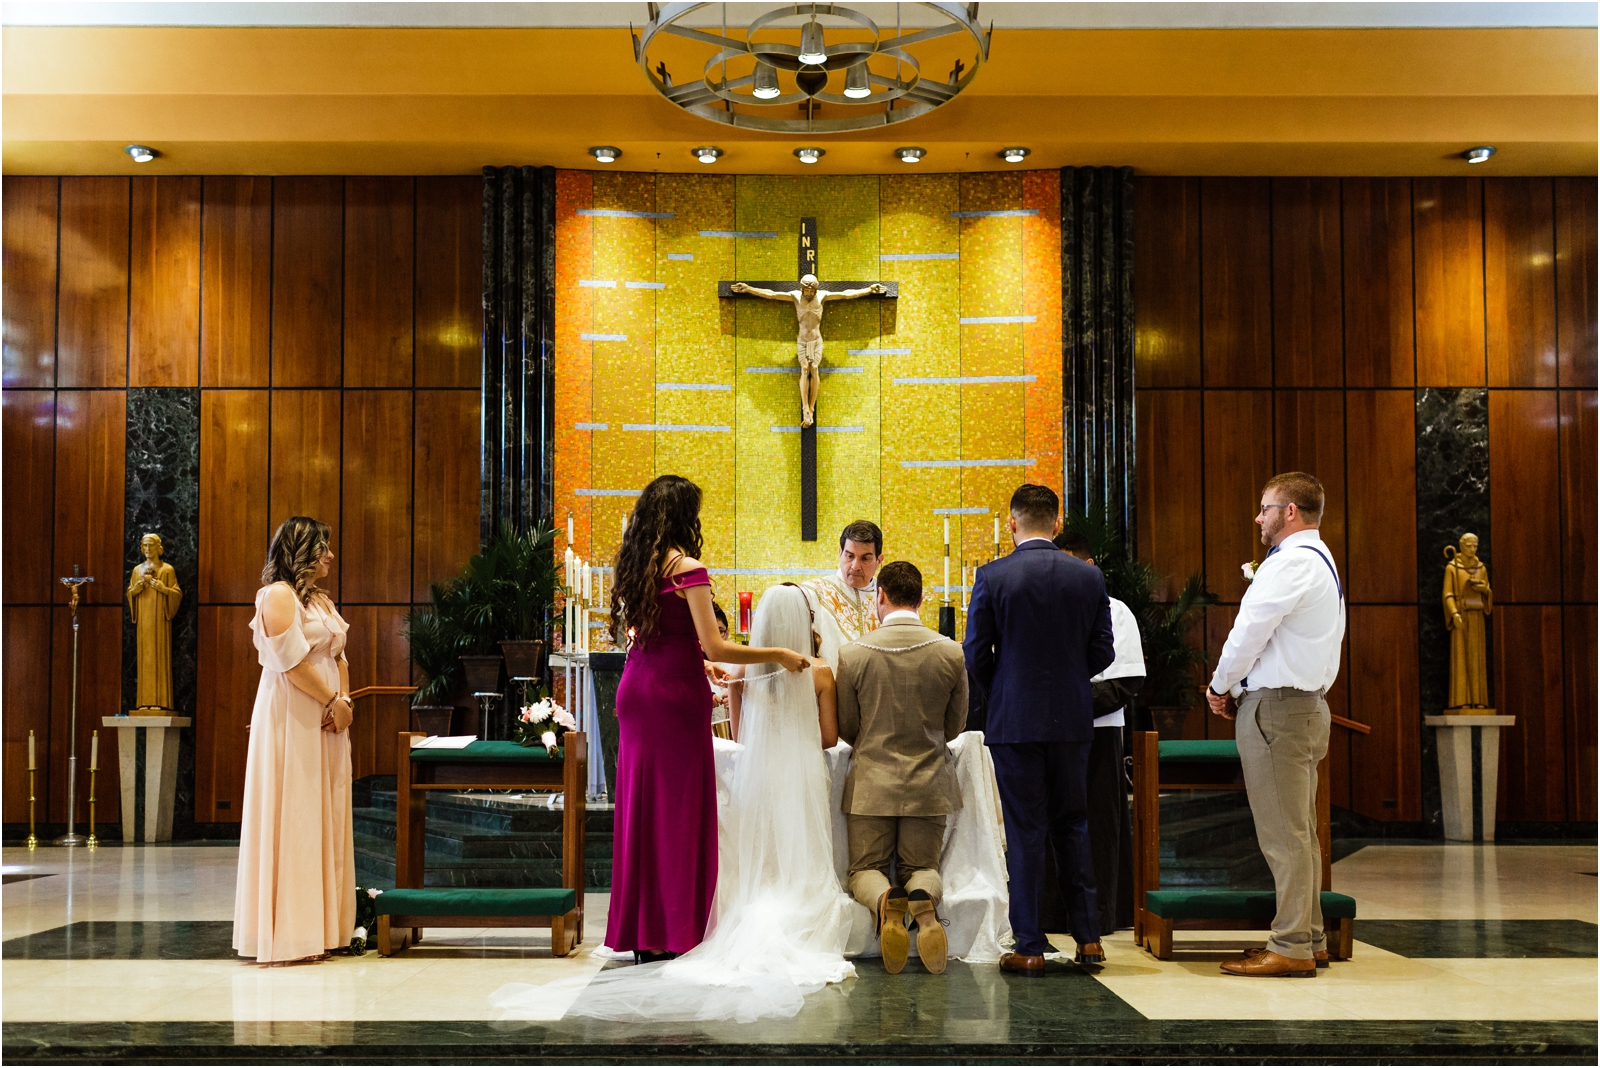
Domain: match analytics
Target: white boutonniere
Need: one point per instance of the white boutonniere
(1249, 571)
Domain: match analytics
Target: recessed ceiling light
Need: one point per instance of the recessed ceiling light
(605, 153)
(707, 153)
(1480, 154)
(141, 153)
(1013, 155)
(910, 155)
(810, 155)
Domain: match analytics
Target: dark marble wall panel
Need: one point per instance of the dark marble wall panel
(162, 497)
(1452, 498)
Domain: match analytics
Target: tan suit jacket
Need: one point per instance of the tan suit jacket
(899, 709)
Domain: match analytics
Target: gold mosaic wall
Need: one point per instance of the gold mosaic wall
(933, 406)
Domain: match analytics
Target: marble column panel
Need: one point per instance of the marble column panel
(163, 497)
(1452, 498)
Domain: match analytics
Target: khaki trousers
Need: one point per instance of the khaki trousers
(915, 842)
(1282, 736)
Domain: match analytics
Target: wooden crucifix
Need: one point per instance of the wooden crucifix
(808, 296)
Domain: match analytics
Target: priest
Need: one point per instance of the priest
(842, 603)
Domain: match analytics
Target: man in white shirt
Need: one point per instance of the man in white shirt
(1110, 832)
(1277, 664)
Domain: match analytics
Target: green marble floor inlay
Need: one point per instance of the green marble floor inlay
(1480, 938)
(127, 940)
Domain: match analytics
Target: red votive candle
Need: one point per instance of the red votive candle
(745, 598)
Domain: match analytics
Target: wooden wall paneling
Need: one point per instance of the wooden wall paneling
(1309, 436)
(1448, 227)
(307, 281)
(229, 675)
(1381, 510)
(25, 653)
(1338, 764)
(1171, 498)
(1201, 723)
(92, 346)
(90, 475)
(1379, 345)
(1528, 653)
(378, 656)
(378, 236)
(1520, 281)
(99, 695)
(448, 489)
(1580, 634)
(449, 296)
(29, 207)
(1307, 287)
(164, 283)
(1576, 306)
(1578, 480)
(1166, 272)
(1384, 694)
(236, 279)
(1238, 461)
(234, 443)
(29, 479)
(1236, 280)
(306, 465)
(1525, 504)
(376, 512)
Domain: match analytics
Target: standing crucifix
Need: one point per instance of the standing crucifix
(808, 295)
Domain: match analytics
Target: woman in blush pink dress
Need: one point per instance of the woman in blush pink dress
(664, 853)
(295, 898)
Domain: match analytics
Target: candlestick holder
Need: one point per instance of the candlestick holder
(92, 841)
(73, 583)
(33, 839)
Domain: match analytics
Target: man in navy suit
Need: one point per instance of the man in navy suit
(1039, 627)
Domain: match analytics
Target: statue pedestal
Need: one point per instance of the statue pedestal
(1469, 773)
(149, 779)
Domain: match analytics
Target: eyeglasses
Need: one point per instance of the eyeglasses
(1264, 507)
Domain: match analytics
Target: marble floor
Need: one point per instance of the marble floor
(122, 954)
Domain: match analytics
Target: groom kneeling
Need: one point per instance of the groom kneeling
(902, 693)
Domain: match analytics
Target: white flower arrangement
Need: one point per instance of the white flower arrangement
(538, 724)
(1249, 571)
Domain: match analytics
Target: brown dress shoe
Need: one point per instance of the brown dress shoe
(1022, 963)
(892, 936)
(1090, 953)
(1268, 963)
(1320, 956)
(932, 948)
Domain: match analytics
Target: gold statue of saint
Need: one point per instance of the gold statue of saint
(808, 301)
(153, 597)
(1468, 601)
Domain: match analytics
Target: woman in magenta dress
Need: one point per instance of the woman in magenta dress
(664, 854)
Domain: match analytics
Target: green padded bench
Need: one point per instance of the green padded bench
(1211, 764)
(409, 908)
(1238, 910)
(403, 913)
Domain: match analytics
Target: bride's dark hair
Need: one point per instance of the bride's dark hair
(666, 517)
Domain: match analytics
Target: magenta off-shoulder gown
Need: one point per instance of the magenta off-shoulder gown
(664, 856)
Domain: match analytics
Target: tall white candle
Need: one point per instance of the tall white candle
(963, 585)
(997, 535)
(31, 765)
(624, 526)
(94, 751)
(567, 573)
(600, 585)
(569, 530)
(947, 532)
(588, 583)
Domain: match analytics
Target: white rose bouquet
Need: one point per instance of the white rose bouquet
(543, 724)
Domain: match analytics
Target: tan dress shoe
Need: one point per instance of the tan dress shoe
(932, 948)
(1269, 964)
(892, 936)
(1320, 956)
(1022, 963)
(1090, 953)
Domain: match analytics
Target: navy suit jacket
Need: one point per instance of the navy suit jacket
(1038, 628)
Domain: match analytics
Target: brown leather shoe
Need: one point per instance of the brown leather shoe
(932, 948)
(1022, 963)
(1320, 956)
(892, 936)
(1090, 953)
(1269, 964)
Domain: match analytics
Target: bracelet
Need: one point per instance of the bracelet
(331, 700)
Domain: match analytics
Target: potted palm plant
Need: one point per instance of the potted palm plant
(1166, 630)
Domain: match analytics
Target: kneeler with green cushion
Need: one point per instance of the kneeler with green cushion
(404, 911)
(1211, 765)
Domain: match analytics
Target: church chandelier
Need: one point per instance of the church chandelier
(810, 68)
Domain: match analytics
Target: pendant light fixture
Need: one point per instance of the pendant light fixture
(856, 83)
(766, 86)
(813, 52)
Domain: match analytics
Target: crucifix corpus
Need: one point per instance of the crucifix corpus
(808, 295)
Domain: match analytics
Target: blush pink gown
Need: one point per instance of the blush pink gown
(296, 891)
(664, 854)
